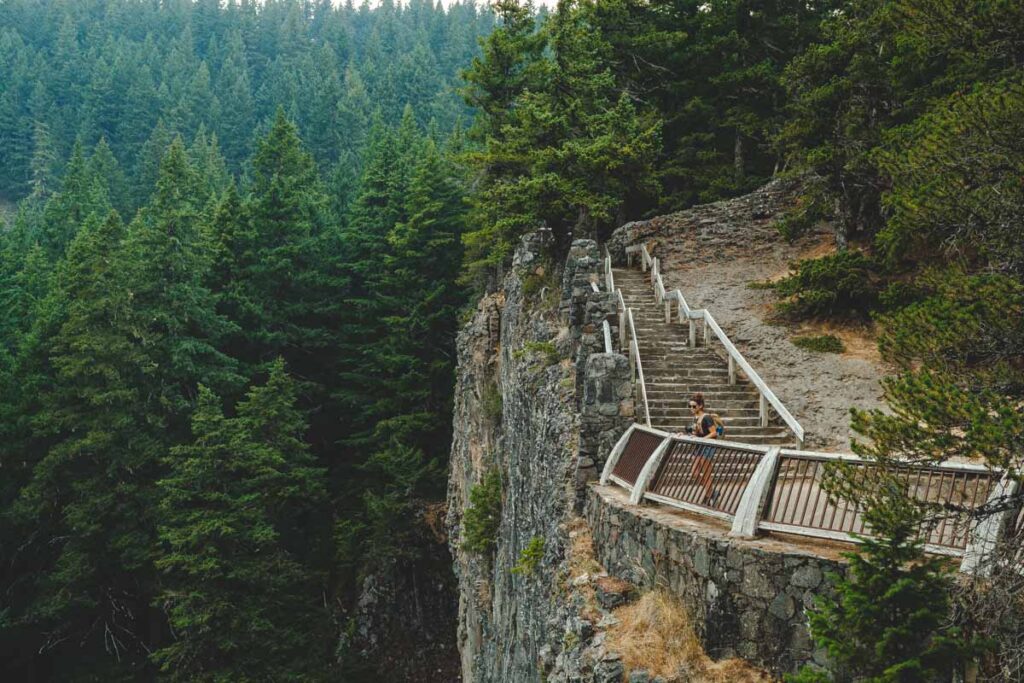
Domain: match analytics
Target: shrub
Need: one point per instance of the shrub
(540, 278)
(812, 208)
(492, 402)
(530, 557)
(822, 343)
(482, 517)
(760, 284)
(839, 284)
(547, 351)
(889, 619)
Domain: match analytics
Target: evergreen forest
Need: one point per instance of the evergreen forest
(237, 240)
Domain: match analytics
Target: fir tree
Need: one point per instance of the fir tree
(241, 602)
(889, 621)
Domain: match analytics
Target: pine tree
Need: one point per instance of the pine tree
(44, 161)
(889, 621)
(81, 195)
(103, 166)
(241, 603)
(424, 261)
(280, 266)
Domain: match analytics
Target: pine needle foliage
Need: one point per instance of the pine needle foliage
(481, 519)
(236, 590)
(888, 621)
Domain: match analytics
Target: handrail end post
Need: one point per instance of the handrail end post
(616, 453)
(636, 496)
(748, 514)
(985, 536)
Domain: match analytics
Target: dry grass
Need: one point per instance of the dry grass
(655, 634)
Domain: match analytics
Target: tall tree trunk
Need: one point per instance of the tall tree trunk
(737, 157)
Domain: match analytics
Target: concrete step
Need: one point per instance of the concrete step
(670, 388)
(748, 419)
(658, 402)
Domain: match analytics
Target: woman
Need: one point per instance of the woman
(703, 426)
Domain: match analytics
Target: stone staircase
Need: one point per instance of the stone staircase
(674, 371)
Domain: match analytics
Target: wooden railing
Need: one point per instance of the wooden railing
(734, 358)
(627, 337)
(767, 488)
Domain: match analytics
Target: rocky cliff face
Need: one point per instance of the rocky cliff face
(517, 412)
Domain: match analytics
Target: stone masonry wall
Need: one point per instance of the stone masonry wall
(746, 598)
(606, 412)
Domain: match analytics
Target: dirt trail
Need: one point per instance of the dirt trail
(712, 252)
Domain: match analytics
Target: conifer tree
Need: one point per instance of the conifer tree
(889, 622)
(240, 600)
(81, 194)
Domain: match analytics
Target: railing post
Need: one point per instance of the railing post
(650, 467)
(732, 369)
(748, 513)
(984, 537)
(613, 457)
(668, 311)
(693, 332)
(643, 263)
(763, 409)
(707, 336)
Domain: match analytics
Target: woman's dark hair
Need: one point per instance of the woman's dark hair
(698, 398)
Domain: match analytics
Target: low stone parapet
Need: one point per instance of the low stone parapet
(747, 598)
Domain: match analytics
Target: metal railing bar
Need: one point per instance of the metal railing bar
(809, 486)
(816, 508)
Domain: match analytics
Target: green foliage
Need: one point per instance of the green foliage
(839, 284)
(903, 119)
(237, 590)
(960, 354)
(889, 620)
(232, 261)
(481, 519)
(540, 278)
(530, 557)
(822, 343)
(492, 401)
(111, 74)
(957, 395)
(547, 352)
(943, 206)
(811, 210)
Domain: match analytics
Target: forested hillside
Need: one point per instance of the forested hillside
(136, 73)
(243, 233)
(229, 305)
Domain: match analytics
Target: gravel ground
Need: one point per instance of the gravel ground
(711, 253)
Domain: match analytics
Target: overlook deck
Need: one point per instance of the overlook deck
(750, 478)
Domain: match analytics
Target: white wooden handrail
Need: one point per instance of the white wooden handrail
(734, 357)
(753, 512)
(609, 277)
(607, 337)
(645, 258)
(634, 348)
